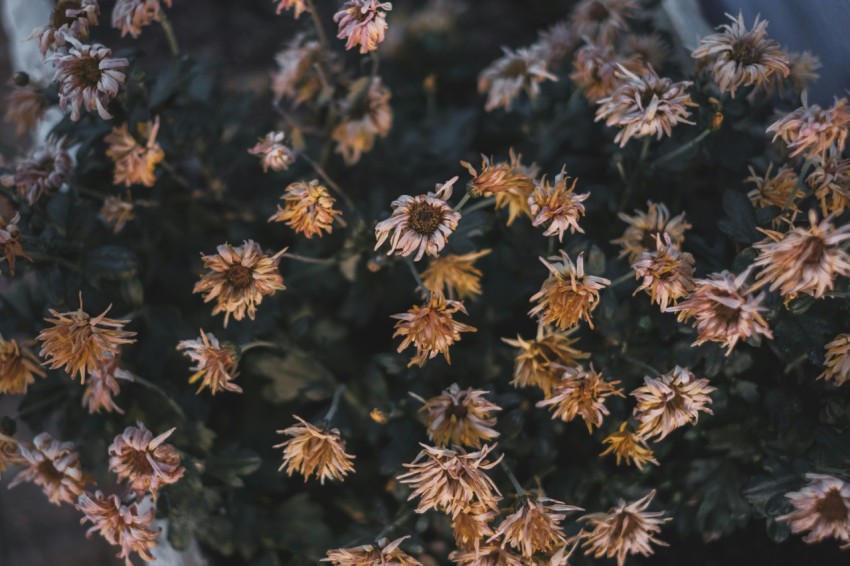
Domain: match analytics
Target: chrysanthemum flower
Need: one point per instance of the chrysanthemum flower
(147, 463)
(556, 206)
(18, 367)
(24, 108)
(535, 526)
(89, 77)
(455, 275)
(363, 23)
(460, 416)
(296, 78)
(384, 553)
(102, 386)
(10, 454)
(643, 227)
(130, 16)
(10, 241)
(625, 529)
(472, 525)
(215, 363)
(568, 295)
(650, 47)
(496, 178)
(629, 447)
(601, 21)
(121, 525)
(44, 171)
(813, 131)
(430, 328)
(274, 154)
(364, 119)
(69, 18)
(54, 466)
(79, 343)
(297, 6)
(420, 224)
(556, 43)
(308, 208)
(830, 183)
(238, 279)
(667, 274)
(837, 361)
(515, 197)
(315, 451)
(595, 70)
(116, 212)
(486, 555)
(776, 190)
(581, 393)
(737, 56)
(821, 508)
(516, 71)
(134, 162)
(670, 401)
(539, 362)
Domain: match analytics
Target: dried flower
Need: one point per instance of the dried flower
(274, 154)
(628, 446)
(776, 190)
(383, 553)
(821, 508)
(516, 71)
(471, 525)
(568, 295)
(487, 555)
(130, 16)
(515, 197)
(24, 108)
(44, 171)
(535, 526)
(10, 241)
(69, 18)
(365, 118)
(363, 23)
(667, 274)
(298, 6)
(54, 466)
(802, 68)
(308, 209)
(121, 525)
(595, 69)
(557, 43)
(643, 227)
(556, 206)
(134, 163)
(147, 463)
(837, 360)
(89, 77)
(116, 212)
(315, 451)
(431, 328)
(102, 386)
(670, 401)
(215, 364)
(581, 393)
(813, 131)
(601, 21)
(18, 367)
(650, 47)
(10, 454)
(296, 78)
(496, 178)
(455, 275)
(540, 362)
(461, 417)
(830, 182)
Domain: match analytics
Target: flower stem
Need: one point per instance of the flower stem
(483, 203)
(681, 149)
(317, 23)
(47, 258)
(507, 469)
(644, 365)
(335, 403)
(622, 279)
(306, 259)
(157, 389)
(258, 344)
(417, 277)
(801, 180)
(169, 33)
(320, 171)
(392, 526)
(462, 202)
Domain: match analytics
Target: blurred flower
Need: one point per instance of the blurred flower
(121, 525)
(540, 362)
(667, 274)
(54, 466)
(601, 21)
(496, 178)
(274, 154)
(556, 206)
(363, 23)
(628, 446)
(420, 224)
(380, 554)
(455, 275)
(116, 212)
(517, 70)
(215, 364)
(130, 16)
(821, 508)
(595, 70)
(24, 108)
(18, 367)
(670, 401)
(431, 328)
(365, 117)
(296, 78)
(738, 57)
(830, 182)
(802, 70)
(460, 417)
(471, 525)
(102, 386)
(535, 526)
(434, 17)
(147, 463)
(88, 76)
(487, 555)
(69, 18)
(10, 454)
(568, 295)
(451, 480)
(308, 209)
(812, 131)
(776, 190)
(134, 163)
(315, 451)
(556, 43)
(298, 6)
(837, 360)
(10, 241)
(643, 227)
(581, 393)
(650, 47)
(515, 197)
(238, 279)
(623, 530)
(44, 171)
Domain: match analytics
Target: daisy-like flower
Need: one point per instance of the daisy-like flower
(121, 525)
(18, 367)
(670, 401)
(10, 241)
(645, 105)
(130, 16)
(24, 108)
(737, 56)
(625, 529)
(776, 190)
(567, 296)
(44, 171)
(486, 555)
(540, 362)
(515, 71)
(629, 447)
(837, 361)
(273, 153)
(496, 178)
(79, 343)
(455, 275)
(535, 526)
(813, 131)
(472, 525)
(102, 386)
(134, 162)
(667, 274)
(595, 70)
(557, 43)
(238, 279)
(803, 260)
(643, 227)
(460, 416)
(69, 18)
(146, 462)
(652, 50)
(116, 212)
(821, 508)
(581, 393)
(830, 182)
(296, 78)
(89, 77)
(420, 224)
(297, 6)
(601, 21)
(315, 451)
(215, 363)
(54, 466)
(430, 328)
(308, 208)
(364, 119)
(384, 553)
(556, 206)
(363, 23)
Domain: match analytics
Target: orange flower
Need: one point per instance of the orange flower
(460, 416)
(535, 526)
(628, 446)
(496, 178)
(540, 362)
(308, 209)
(666, 274)
(121, 525)
(643, 227)
(431, 328)
(670, 401)
(455, 275)
(298, 6)
(837, 362)
(581, 393)
(24, 108)
(813, 131)
(568, 295)
(556, 206)
(364, 119)
(102, 386)
(54, 466)
(215, 364)
(315, 451)
(382, 553)
(18, 367)
(135, 163)
(147, 463)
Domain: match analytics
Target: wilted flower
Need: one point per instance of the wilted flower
(147, 463)
(215, 364)
(628, 446)
(455, 275)
(315, 451)
(298, 6)
(102, 386)
(296, 78)
(54, 466)
(274, 154)
(540, 362)
(9, 453)
(134, 163)
(652, 50)
(10, 241)
(130, 16)
(383, 553)
(667, 274)
(365, 118)
(821, 508)
(595, 70)
(776, 190)
(507, 76)
(116, 212)
(802, 70)
(623, 530)
(89, 77)
(363, 23)
(601, 21)
(568, 295)
(556, 43)
(430, 328)
(121, 525)
(837, 360)
(535, 526)
(24, 108)
(737, 57)
(581, 393)
(830, 182)
(811, 130)
(643, 227)
(308, 209)
(471, 525)
(460, 416)
(69, 18)
(451, 480)
(516, 196)
(556, 206)
(670, 401)
(18, 367)
(496, 178)
(44, 171)
(487, 555)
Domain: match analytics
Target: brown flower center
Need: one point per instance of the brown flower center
(457, 410)
(745, 53)
(647, 242)
(59, 17)
(424, 218)
(49, 473)
(598, 12)
(239, 276)
(139, 463)
(87, 72)
(832, 507)
(813, 250)
(727, 315)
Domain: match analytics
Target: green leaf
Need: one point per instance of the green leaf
(740, 221)
(232, 464)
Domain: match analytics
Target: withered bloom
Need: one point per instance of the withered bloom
(121, 525)
(486, 555)
(515, 198)
(102, 386)
(10, 241)
(496, 178)
(802, 68)
(581, 393)
(430, 328)
(516, 71)
(821, 508)
(54, 466)
(535, 526)
(134, 162)
(567, 296)
(363, 23)
(130, 16)
(461, 417)
(44, 171)
(628, 446)
(830, 182)
(9, 453)
(384, 553)
(215, 363)
(274, 154)
(69, 18)
(315, 451)
(813, 131)
(18, 367)
(116, 212)
(557, 43)
(89, 78)
(595, 70)
(667, 274)
(455, 275)
(670, 401)
(540, 362)
(471, 525)
(837, 361)
(296, 78)
(776, 190)
(601, 21)
(308, 208)
(643, 227)
(24, 108)
(556, 205)
(297, 6)
(650, 47)
(364, 119)
(146, 462)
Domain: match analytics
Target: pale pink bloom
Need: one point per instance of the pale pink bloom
(102, 386)
(556, 206)
(44, 171)
(813, 131)
(516, 71)
(535, 526)
(296, 77)
(601, 21)
(88, 76)
(130, 16)
(667, 274)
(273, 153)
(146, 462)
(365, 118)
(670, 401)
(595, 70)
(298, 6)
(54, 466)
(650, 47)
(486, 555)
(821, 508)
(69, 18)
(557, 43)
(121, 525)
(363, 23)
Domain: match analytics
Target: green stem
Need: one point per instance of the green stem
(392, 526)
(462, 202)
(306, 259)
(622, 279)
(644, 365)
(258, 344)
(169, 33)
(335, 403)
(483, 203)
(681, 149)
(507, 469)
(157, 389)
(47, 258)
(417, 277)
(317, 23)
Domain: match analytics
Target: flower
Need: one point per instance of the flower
(296, 78)
(568, 295)
(516, 71)
(147, 463)
(487, 555)
(644, 105)
(535, 526)
(451, 480)
(134, 163)
(628, 446)
(837, 361)
(69, 18)
(18, 367)
(102, 385)
(556, 206)
(738, 57)
(802, 69)
(315, 451)
(803, 260)
(431, 328)
(10, 454)
(667, 274)
(54, 466)
(364, 118)
(670, 401)
(601, 21)
(496, 178)
(420, 224)
(472, 524)
(623, 530)
(581, 393)
(274, 154)
(821, 508)
(830, 182)
(643, 227)
(130, 16)
(10, 241)
(460, 416)
(540, 362)
(595, 70)
(363, 23)
(215, 364)
(650, 47)
(238, 279)
(723, 311)
(556, 43)
(455, 275)
(89, 77)
(121, 525)
(813, 131)
(79, 343)
(516, 196)
(776, 190)
(308, 209)
(298, 6)
(383, 553)
(44, 171)
(24, 108)
(116, 212)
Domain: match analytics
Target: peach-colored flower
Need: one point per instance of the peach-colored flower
(567, 296)
(514, 72)
(535, 526)
(628, 446)
(821, 508)
(581, 393)
(121, 525)
(296, 77)
(556, 206)
(430, 328)
(595, 69)
(134, 162)
(297, 6)
(145, 462)
(643, 227)
(215, 363)
(10, 241)
(472, 525)
(130, 16)
(486, 555)
(813, 131)
(776, 190)
(44, 171)
(363, 23)
(670, 401)
(116, 212)
(102, 386)
(308, 209)
(460, 417)
(364, 119)
(830, 182)
(540, 362)
(515, 197)
(88, 76)
(837, 360)
(54, 466)
(312, 450)
(69, 18)
(18, 367)
(650, 47)
(802, 70)
(274, 154)
(10, 454)
(383, 553)
(601, 21)
(24, 108)
(667, 274)
(496, 178)
(455, 275)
